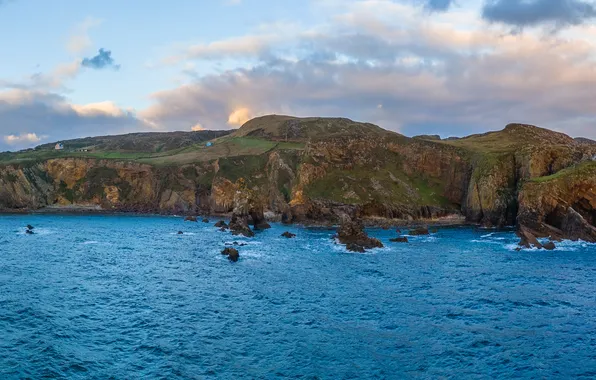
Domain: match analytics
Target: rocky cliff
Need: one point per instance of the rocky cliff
(315, 169)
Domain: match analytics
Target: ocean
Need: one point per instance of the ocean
(127, 297)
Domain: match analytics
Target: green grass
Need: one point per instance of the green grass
(587, 168)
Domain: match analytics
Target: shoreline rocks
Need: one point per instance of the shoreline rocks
(288, 235)
(351, 233)
(190, 219)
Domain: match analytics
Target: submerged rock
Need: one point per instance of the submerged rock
(419, 231)
(352, 247)
(288, 235)
(180, 232)
(30, 227)
(232, 254)
(550, 246)
(401, 239)
(29, 232)
(351, 233)
(205, 220)
(190, 219)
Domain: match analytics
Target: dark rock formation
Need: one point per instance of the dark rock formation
(221, 224)
(419, 231)
(232, 254)
(550, 246)
(180, 232)
(190, 219)
(575, 227)
(239, 226)
(29, 232)
(30, 227)
(351, 233)
(288, 235)
(528, 238)
(258, 220)
(399, 240)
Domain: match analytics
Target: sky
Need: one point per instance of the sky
(72, 68)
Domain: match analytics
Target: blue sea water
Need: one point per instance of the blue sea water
(126, 297)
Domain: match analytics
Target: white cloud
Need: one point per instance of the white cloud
(197, 127)
(239, 117)
(22, 138)
(79, 40)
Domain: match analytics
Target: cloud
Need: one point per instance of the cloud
(79, 41)
(101, 61)
(526, 13)
(239, 117)
(433, 77)
(197, 127)
(22, 138)
(438, 5)
(52, 117)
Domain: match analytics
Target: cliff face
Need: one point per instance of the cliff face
(315, 169)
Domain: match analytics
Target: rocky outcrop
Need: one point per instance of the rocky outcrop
(399, 240)
(351, 233)
(288, 235)
(190, 219)
(419, 231)
(232, 253)
(239, 226)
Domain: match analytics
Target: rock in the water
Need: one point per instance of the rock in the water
(549, 246)
(288, 235)
(351, 232)
(30, 227)
(528, 239)
(575, 227)
(239, 226)
(205, 220)
(29, 232)
(221, 224)
(190, 219)
(180, 232)
(419, 231)
(223, 229)
(399, 240)
(352, 247)
(232, 254)
(258, 220)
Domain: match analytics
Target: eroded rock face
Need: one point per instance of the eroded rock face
(528, 238)
(351, 233)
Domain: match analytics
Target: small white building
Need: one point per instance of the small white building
(59, 146)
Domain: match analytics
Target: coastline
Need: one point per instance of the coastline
(369, 222)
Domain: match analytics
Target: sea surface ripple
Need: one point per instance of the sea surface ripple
(126, 297)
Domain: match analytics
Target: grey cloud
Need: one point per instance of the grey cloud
(414, 86)
(49, 115)
(102, 60)
(523, 13)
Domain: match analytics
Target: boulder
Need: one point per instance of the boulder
(402, 239)
(288, 235)
(419, 231)
(351, 233)
(550, 246)
(221, 224)
(30, 227)
(528, 238)
(29, 232)
(190, 219)
(239, 226)
(180, 232)
(232, 254)
(205, 220)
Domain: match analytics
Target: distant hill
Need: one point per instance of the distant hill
(289, 128)
(146, 142)
(583, 140)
